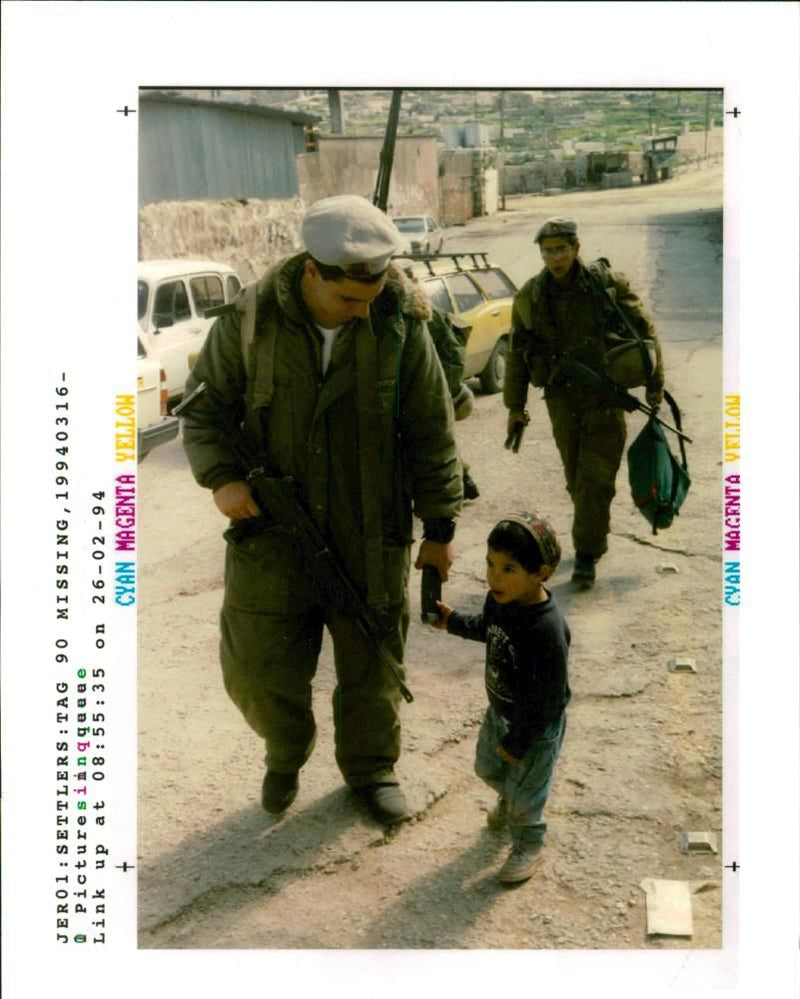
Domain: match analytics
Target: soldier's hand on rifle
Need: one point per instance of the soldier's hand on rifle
(235, 500)
(517, 421)
(516, 416)
(438, 554)
(654, 397)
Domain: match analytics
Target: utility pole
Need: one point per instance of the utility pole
(335, 106)
(502, 157)
(705, 143)
(381, 197)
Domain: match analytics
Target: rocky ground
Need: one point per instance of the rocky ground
(642, 759)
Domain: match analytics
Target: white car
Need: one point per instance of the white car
(172, 298)
(153, 425)
(421, 234)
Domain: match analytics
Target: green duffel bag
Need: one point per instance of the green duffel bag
(659, 482)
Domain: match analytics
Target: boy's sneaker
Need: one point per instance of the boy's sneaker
(497, 818)
(520, 864)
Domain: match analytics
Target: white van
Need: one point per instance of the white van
(172, 298)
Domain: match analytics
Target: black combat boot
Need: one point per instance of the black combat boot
(583, 575)
(386, 803)
(471, 491)
(278, 791)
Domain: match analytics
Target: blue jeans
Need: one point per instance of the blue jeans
(524, 785)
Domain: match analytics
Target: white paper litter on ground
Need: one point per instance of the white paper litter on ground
(669, 905)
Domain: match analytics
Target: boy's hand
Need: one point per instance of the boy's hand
(504, 754)
(445, 611)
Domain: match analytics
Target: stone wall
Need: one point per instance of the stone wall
(534, 178)
(248, 235)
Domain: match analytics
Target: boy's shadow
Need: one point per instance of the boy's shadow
(420, 919)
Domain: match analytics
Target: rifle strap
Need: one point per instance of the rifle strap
(259, 379)
(369, 422)
(261, 388)
(676, 416)
(247, 326)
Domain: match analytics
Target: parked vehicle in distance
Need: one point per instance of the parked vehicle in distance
(172, 298)
(467, 285)
(153, 425)
(421, 234)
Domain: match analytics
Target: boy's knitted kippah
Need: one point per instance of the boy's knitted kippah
(543, 534)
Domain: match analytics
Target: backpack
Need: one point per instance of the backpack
(659, 483)
(630, 359)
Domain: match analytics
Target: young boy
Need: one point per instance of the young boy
(527, 643)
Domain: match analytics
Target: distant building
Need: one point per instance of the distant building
(472, 135)
(192, 149)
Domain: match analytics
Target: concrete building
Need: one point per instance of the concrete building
(469, 184)
(344, 164)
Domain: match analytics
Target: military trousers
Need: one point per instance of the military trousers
(591, 443)
(271, 635)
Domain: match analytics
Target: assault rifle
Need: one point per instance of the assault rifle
(279, 496)
(588, 376)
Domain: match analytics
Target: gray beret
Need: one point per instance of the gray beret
(556, 227)
(347, 231)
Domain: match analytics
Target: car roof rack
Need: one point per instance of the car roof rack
(428, 258)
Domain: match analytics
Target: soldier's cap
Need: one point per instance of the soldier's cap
(347, 231)
(543, 534)
(560, 226)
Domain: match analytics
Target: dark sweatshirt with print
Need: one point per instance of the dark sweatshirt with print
(527, 646)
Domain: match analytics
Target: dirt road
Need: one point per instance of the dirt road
(642, 760)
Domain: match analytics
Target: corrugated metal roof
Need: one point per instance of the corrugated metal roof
(196, 150)
(299, 117)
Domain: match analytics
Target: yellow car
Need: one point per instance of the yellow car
(481, 294)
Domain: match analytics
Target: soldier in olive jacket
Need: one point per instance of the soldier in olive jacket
(342, 390)
(564, 307)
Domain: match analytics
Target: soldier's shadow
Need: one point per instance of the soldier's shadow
(249, 850)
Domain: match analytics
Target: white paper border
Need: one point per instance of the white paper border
(69, 200)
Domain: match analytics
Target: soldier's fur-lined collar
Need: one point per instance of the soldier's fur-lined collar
(413, 298)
